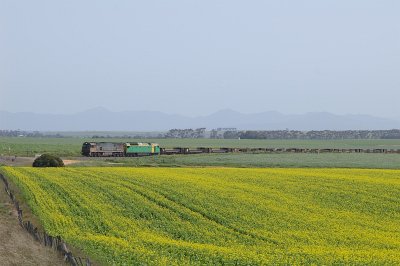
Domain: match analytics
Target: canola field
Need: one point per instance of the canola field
(229, 216)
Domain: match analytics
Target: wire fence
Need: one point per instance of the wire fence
(54, 242)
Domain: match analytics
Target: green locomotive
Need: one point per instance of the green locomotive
(137, 149)
(117, 149)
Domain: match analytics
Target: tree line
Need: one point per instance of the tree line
(318, 135)
(21, 133)
(237, 134)
(283, 134)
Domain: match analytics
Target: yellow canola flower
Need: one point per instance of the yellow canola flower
(178, 216)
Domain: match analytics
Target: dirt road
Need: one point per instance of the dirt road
(27, 161)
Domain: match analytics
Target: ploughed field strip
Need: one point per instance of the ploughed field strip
(219, 215)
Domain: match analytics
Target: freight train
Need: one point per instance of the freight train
(116, 149)
(135, 149)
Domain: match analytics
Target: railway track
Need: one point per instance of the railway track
(181, 150)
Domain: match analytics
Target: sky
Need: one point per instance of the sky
(197, 57)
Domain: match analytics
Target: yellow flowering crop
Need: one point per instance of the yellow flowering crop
(230, 216)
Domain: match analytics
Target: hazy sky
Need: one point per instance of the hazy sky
(196, 57)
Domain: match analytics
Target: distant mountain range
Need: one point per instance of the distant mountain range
(101, 119)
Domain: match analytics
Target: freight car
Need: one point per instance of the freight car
(116, 149)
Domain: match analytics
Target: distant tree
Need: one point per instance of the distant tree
(200, 133)
(48, 160)
(188, 133)
(231, 135)
(214, 134)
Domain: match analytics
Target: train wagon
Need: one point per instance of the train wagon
(103, 149)
(141, 149)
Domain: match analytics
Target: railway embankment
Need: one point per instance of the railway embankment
(24, 242)
(17, 246)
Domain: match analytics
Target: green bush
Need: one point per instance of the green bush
(47, 160)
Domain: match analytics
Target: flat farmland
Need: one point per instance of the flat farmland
(175, 216)
(26, 146)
